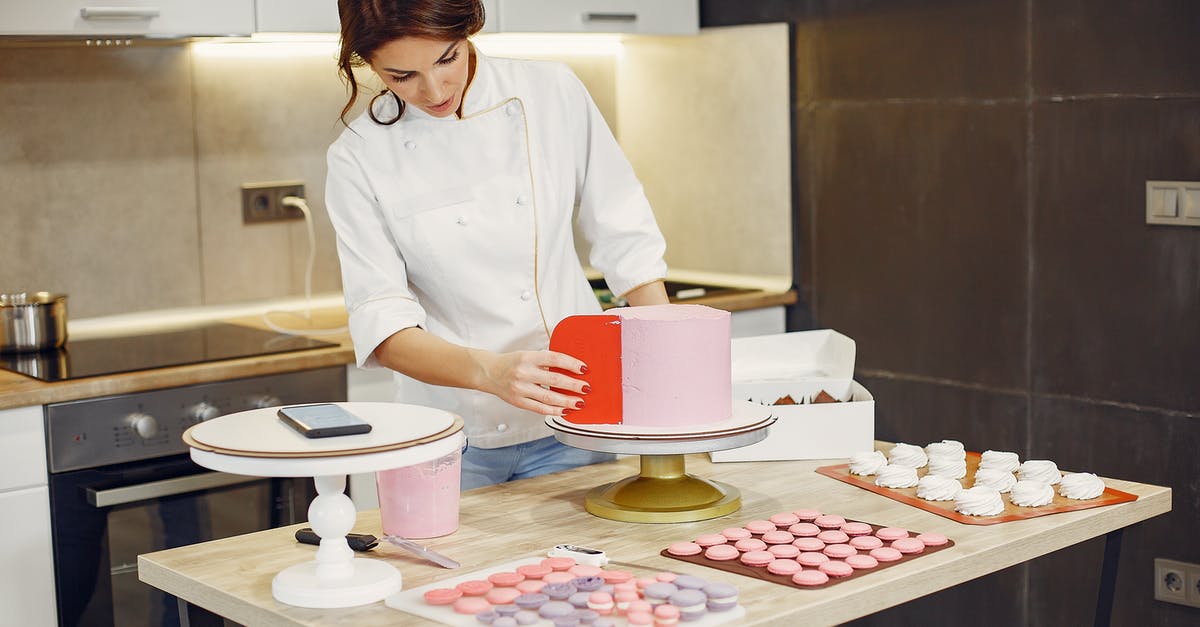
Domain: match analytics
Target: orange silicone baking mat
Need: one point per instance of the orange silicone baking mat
(908, 496)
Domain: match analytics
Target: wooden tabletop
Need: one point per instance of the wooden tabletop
(232, 577)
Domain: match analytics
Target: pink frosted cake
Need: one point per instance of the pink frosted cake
(657, 366)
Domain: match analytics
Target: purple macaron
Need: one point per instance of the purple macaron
(556, 609)
(659, 592)
(688, 582)
(691, 603)
(721, 597)
(558, 591)
(531, 600)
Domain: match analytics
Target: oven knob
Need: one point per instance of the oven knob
(143, 424)
(265, 401)
(204, 411)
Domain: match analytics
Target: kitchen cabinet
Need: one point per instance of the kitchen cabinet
(646, 17)
(151, 18)
(320, 16)
(26, 566)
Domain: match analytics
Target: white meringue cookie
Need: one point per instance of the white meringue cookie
(979, 501)
(1040, 470)
(1081, 486)
(938, 488)
(947, 448)
(1032, 493)
(1002, 460)
(1000, 480)
(952, 467)
(908, 455)
(893, 476)
(867, 463)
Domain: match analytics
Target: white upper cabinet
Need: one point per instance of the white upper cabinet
(153, 18)
(320, 16)
(646, 17)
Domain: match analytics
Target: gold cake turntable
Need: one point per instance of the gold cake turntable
(663, 492)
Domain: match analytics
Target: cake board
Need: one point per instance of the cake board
(257, 443)
(663, 491)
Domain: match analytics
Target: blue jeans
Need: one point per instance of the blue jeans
(486, 466)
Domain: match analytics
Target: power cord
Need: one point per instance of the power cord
(298, 203)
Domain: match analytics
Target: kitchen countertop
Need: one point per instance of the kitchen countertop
(501, 523)
(17, 390)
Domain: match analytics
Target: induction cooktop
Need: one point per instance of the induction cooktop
(130, 353)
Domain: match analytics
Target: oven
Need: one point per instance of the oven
(122, 483)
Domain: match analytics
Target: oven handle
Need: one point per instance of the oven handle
(166, 487)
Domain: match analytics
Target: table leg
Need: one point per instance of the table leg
(196, 616)
(1108, 578)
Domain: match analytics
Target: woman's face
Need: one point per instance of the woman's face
(429, 74)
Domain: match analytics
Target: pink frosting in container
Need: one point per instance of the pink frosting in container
(421, 501)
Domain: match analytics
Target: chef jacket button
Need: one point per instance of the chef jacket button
(461, 220)
(526, 295)
(512, 108)
(410, 144)
(501, 427)
(521, 199)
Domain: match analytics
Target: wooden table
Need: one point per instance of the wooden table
(232, 577)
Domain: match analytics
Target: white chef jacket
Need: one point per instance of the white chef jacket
(464, 226)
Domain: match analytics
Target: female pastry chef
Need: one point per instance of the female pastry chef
(452, 197)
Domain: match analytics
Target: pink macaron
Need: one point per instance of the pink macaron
(723, 552)
(778, 537)
(856, 528)
(685, 548)
(750, 544)
(559, 563)
(861, 562)
(810, 544)
(582, 570)
(812, 559)
(531, 585)
(502, 596)
(757, 558)
(804, 529)
(617, 576)
(783, 520)
(534, 571)
(806, 514)
(865, 543)
(886, 554)
(833, 536)
(558, 576)
(908, 545)
(891, 533)
(442, 596)
(933, 539)
(759, 527)
(829, 521)
(710, 539)
(810, 578)
(506, 579)
(784, 551)
(836, 568)
(471, 605)
(475, 587)
(783, 567)
(733, 534)
(840, 551)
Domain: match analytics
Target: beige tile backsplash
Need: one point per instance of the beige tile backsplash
(121, 169)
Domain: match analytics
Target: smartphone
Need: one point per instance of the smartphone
(323, 420)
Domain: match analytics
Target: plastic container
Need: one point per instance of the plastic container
(421, 501)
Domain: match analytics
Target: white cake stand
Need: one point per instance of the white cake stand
(663, 492)
(257, 443)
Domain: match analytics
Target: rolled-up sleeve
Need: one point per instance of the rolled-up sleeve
(374, 276)
(614, 214)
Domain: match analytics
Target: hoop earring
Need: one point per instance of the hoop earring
(399, 106)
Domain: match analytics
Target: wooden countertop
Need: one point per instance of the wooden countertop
(18, 390)
(232, 577)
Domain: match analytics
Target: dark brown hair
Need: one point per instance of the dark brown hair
(369, 24)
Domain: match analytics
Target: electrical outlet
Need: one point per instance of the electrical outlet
(1177, 582)
(263, 202)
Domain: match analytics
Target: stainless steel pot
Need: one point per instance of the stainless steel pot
(32, 321)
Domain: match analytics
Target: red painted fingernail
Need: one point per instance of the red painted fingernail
(583, 370)
(579, 405)
(566, 411)
(587, 388)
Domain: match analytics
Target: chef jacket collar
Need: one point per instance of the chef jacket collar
(481, 92)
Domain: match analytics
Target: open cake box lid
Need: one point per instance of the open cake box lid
(820, 354)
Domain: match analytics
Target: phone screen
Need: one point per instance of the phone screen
(323, 420)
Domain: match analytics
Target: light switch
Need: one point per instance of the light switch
(1166, 202)
(1174, 203)
(1190, 203)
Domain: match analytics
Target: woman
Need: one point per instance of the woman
(452, 197)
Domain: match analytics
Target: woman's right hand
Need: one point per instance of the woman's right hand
(523, 379)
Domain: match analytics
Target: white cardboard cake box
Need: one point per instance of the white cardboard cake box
(801, 364)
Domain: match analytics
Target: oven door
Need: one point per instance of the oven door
(102, 518)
